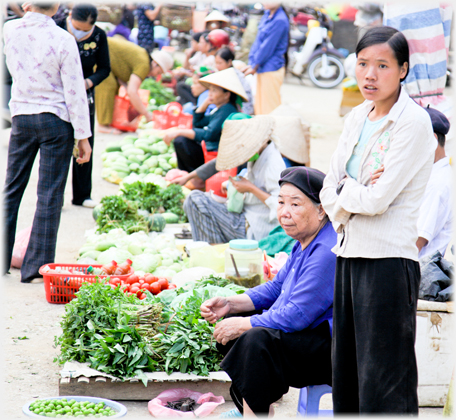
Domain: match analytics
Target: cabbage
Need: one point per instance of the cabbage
(164, 241)
(114, 254)
(145, 262)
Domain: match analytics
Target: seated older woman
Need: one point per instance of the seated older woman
(281, 336)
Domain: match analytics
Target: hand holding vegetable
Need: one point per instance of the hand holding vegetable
(84, 151)
(214, 309)
(231, 328)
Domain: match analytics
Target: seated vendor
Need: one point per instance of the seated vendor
(246, 140)
(278, 334)
(193, 91)
(224, 90)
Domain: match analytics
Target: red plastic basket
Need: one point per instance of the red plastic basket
(164, 120)
(61, 288)
(120, 118)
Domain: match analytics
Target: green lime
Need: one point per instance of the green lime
(98, 415)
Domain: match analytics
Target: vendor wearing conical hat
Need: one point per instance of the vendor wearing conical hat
(224, 90)
(246, 140)
(290, 135)
(216, 20)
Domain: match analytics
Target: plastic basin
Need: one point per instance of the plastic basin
(120, 408)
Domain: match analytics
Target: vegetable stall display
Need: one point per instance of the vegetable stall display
(160, 95)
(142, 155)
(158, 256)
(124, 336)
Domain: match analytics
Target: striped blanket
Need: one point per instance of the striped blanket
(427, 28)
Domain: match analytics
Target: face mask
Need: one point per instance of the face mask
(78, 34)
(254, 157)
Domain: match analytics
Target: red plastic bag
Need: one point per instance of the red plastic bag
(124, 117)
(208, 403)
(20, 247)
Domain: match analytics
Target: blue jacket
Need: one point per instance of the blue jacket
(301, 294)
(271, 42)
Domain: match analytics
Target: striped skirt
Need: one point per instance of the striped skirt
(211, 221)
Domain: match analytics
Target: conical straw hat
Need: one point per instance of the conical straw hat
(216, 16)
(226, 79)
(241, 139)
(291, 134)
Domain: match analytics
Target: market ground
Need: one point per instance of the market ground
(30, 322)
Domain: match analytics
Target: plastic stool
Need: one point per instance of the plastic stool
(309, 401)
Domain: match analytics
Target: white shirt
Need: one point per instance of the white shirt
(44, 63)
(380, 220)
(435, 221)
(265, 174)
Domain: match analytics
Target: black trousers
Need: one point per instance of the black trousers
(263, 363)
(54, 139)
(82, 174)
(184, 91)
(373, 353)
(189, 154)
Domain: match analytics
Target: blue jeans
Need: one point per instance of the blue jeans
(54, 139)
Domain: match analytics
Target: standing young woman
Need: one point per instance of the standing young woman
(377, 272)
(93, 50)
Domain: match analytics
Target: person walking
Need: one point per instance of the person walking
(49, 111)
(377, 271)
(267, 58)
(94, 53)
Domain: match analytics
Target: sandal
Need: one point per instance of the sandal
(234, 413)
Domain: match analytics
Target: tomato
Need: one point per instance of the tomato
(114, 280)
(163, 284)
(142, 296)
(141, 281)
(131, 294)
(139, 292)
(134, 290)
(135, 285)
(172, 286)
(145, 286)
(155, 288)
(113, 286)
(125, 288)
(133, 279)
(149, 278)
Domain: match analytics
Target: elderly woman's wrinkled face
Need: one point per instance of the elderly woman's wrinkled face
(299, 217)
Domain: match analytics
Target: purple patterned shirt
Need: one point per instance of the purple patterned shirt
(44, 62)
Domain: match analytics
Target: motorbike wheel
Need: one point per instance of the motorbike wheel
(335, 72)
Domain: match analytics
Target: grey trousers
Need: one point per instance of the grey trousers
(211, 221)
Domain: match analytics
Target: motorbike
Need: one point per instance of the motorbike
(317, 56)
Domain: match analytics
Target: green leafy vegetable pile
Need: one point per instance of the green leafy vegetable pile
(153, 198)
(117, 212)
(121, 211)
(160, 94)
(125, 337)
